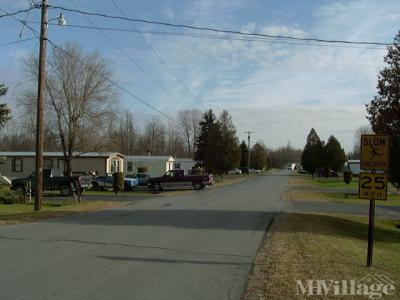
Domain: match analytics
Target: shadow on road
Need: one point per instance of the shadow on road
(193, 219)
(231, 220)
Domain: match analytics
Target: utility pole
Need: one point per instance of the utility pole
(248, 142)
(40, 108)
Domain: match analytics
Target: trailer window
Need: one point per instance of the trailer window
(17, 165)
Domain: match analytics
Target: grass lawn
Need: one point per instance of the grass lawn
(17, 213)
(229, 179)
(321, 246)
(332, 182)
(333, 190)
(136, 192)
(294, 195)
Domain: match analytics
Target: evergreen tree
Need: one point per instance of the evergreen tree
(244, 154)
(202, 142)
(230, 142)
(217, 148)
(384, 110)
(258, 157)
(4, 111)
(334, 155)
(215, 155)
(312, 156)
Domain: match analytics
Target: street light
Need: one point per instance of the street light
(60, 20)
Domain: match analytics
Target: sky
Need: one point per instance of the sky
(279, 91)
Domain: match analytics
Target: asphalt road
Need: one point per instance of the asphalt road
(196, 246)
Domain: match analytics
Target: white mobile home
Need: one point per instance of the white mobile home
(186, 164)
(157, 165)
(22, 164)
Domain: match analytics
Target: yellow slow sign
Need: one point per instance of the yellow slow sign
(372, 186)
(374, 152)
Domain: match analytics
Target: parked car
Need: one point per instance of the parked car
(321, 172)
(244, 170)
(301, 171)
(235, 171)
(85, 181)
(178, 179)
(254, 171)
(106, 182)
(53, 180)
(143, 178)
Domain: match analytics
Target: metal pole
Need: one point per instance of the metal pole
(248, 156)
(40, 108)
(371, 232)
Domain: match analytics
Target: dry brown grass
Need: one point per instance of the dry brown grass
(316, 246)
(23, 213)
(298, 181)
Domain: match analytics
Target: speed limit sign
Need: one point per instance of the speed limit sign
(372, 186)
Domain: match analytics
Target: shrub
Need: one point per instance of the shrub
(347, 176)
(11, 198)
(327, 172)
(118, 182)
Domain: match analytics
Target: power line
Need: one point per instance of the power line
(208, 36)
(12, 14)
(219, 30)
(19, 41)
(54, 45)
(127, 56)
(159, 56)
(16, 47)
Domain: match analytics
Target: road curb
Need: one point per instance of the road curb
(265, 235)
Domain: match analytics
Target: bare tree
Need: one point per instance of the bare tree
(365, 129)
(153, 139)
(128, 134)
(121, 134)
(185, 125)
(175, 143)
(189, 126)
(79, 98)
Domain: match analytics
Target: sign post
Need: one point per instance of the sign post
(371, 231)
(373, 185)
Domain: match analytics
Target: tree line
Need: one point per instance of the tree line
(318, 154)
(218, 149)
(82, 115)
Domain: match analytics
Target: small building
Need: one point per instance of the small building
(292, 166)
(22, 164)
(186, 164)
(157, 165)
(354, 166)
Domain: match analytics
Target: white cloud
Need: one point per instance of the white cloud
(282, 90)
(276, 125)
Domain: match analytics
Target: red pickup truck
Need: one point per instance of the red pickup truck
(177, 179)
